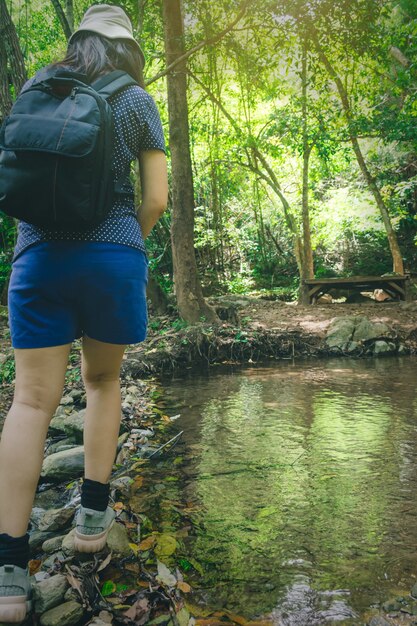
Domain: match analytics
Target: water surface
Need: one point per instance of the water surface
(298, 485)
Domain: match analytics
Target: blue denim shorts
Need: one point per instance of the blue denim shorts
(61, 290)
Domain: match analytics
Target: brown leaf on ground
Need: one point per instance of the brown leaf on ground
(34, 566)
(184, 587)
(147, 543)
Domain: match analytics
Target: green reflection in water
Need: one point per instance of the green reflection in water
(302, 474)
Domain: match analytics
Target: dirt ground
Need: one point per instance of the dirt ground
(315, 319)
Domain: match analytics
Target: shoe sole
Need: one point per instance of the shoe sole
(13, 609)
(91, 543)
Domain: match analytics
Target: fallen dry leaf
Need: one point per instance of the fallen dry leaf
(185, 587)
(147, 543)
(34, 566)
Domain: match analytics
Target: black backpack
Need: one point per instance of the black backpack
(56, 151)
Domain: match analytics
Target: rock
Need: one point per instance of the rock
(391, 605)
(118, 541)
(414, 591)
(122, 439)
(122, 484)
(56, 519)
(66, 400)
(52, 545)
(366, 330)
(64, 465)
(379, 621)
(72, 425)
(64, 444)
(340, 331)
(37, 538)
(384, 347)
(402, 349)
(53, 561)
(65, 614)
(49, 593)
(76, 394)
(68, 543)
(71, 594)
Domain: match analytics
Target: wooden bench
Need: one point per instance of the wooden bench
(396, 286)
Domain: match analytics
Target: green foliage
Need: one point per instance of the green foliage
(7, 370)
(250, 122)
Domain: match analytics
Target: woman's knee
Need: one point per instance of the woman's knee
(39, 399)
(100, 378)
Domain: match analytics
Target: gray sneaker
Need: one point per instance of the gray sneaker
(15, 594)
(92, 528)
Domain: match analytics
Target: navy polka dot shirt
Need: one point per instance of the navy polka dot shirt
(137, 128)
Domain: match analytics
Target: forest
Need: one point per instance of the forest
(290, 130)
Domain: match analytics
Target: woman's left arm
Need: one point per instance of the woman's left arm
(154, 184)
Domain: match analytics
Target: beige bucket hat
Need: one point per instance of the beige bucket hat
(110, 21)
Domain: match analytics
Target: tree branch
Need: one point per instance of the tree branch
(205, 42)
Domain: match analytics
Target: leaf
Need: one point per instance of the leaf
(34, 566)
(198, 611)
(119, 506)
(147, 543)
(165, 576)
(183, 586)
(108, 588)
(134, 547)
(166, 545)
(137, 483)
(196, 566)
(104, 563)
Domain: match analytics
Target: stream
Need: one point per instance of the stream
(293, 490)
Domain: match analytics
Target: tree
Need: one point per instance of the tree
(191, 303)
(12, 65)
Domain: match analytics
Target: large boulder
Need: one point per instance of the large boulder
(64, 465)
(351, 333)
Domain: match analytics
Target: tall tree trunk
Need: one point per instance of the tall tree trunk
(11, 47)
(307, 270)
(191, 304)
(70, 13)
(397, 259)
(5, 97)
(62, 18)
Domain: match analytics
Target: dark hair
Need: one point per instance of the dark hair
(95, 55)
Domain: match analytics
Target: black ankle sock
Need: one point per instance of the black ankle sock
(14, 550)
(94, 495)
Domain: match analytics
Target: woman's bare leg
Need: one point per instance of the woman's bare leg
(101, 375)
(40, 376)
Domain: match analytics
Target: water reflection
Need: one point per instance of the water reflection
(306, 475)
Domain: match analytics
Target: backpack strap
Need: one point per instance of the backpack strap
(113, 82)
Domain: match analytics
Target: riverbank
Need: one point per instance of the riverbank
(254, 330)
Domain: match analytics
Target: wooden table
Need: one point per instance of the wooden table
(396, 286)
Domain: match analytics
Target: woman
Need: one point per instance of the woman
(88, 284)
